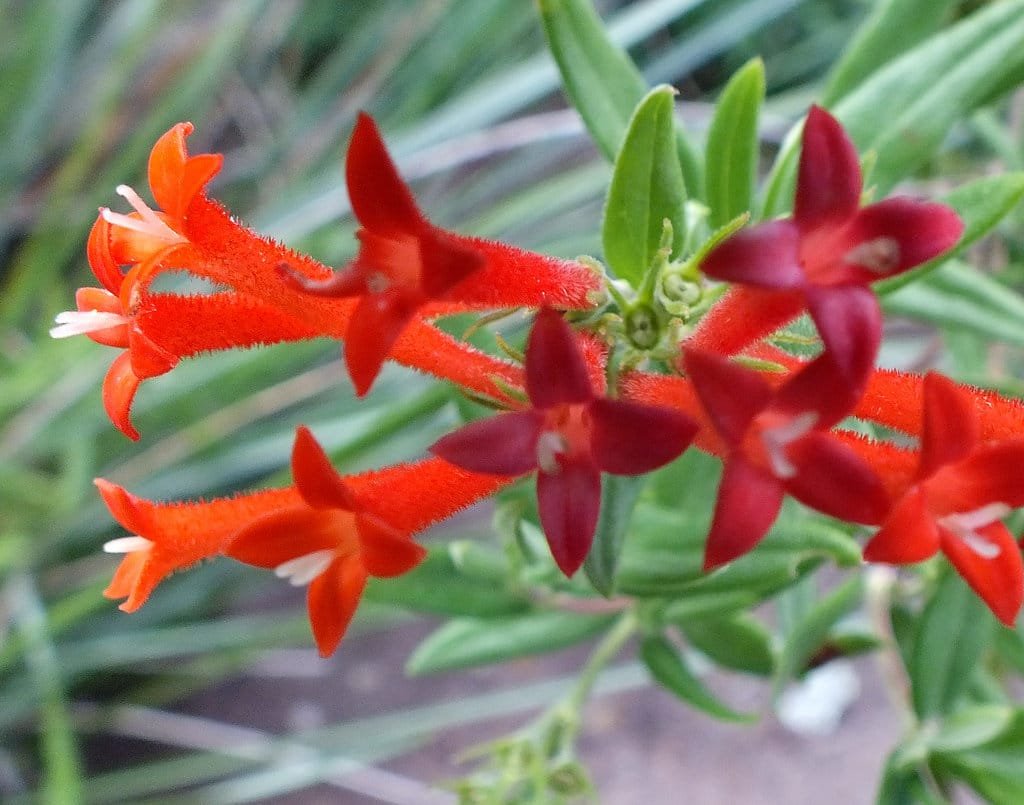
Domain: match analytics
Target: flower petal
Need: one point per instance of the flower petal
(315, 477)
(279, 536)
(101, 261)
(569, 503)
(849, 321)
(119, 387)
(990, 474)
(819, 387)
(380, 199)
(376, 323)
(385, 551)
(897, 234)
(764, 256)
(332, 600)
(950, 430)
(555, 370)
(505, 444)
(148, 359)
(999, 579)
(731, 394)
(629, 438)
(829, 180)
(127, 575)
(833, 479)
(909, 533)
(748, 502)
(174, 177)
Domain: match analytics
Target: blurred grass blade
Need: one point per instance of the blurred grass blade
(893, 27)
(600, 79)
(619, 494)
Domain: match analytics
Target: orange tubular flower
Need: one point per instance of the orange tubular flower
(191, 232)
(326, 530)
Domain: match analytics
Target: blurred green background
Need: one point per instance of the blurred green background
(469, 102)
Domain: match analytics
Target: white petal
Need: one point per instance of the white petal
(127, 545)
(966, 525)
(79, 322)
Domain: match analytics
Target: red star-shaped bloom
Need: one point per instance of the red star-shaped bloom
(777, 442)
(964, 487)
(326, 540)
(570, 436)
(825, 256)
(404, 261)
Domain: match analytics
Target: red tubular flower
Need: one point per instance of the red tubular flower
(404, 261)
(326, 530)
(777, 441)
(823, 257)
(570, 436)
(963, 489)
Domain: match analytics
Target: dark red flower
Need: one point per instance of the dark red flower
(823, 257)
(778, 442)
(964, 488)
(570, 436)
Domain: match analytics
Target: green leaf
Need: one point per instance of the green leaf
(732, 149)
(994, 769)
(740, 642)
(669, 670)
(958, 297)
(600, 79)
(981, 204)
(903, 113)
(647, 187)
(970, 727)
(955, 629)
(438, 586)
(468, 642)
(619, 494)
(812, 629)
(901, 785)
(893, 27)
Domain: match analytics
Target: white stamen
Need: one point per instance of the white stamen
(776, 439)
(79, 322)
(127, 545)
(880, 255)
(550, 445)
(303, 569)
(148, 222)
(966, 525)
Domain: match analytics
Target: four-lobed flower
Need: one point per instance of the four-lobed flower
(569, 435)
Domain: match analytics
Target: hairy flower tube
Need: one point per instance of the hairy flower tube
(963, 489)
(823, 257)
(190, 232)
(778, 442)
(570, 436)
(327, 530)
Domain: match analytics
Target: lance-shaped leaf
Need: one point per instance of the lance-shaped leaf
(619, 494)
(669, 670)
(955, 629)
(647, 187)
(466, 642)
(732, 149)
(600, 79)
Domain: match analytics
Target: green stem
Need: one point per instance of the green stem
(609, 647)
